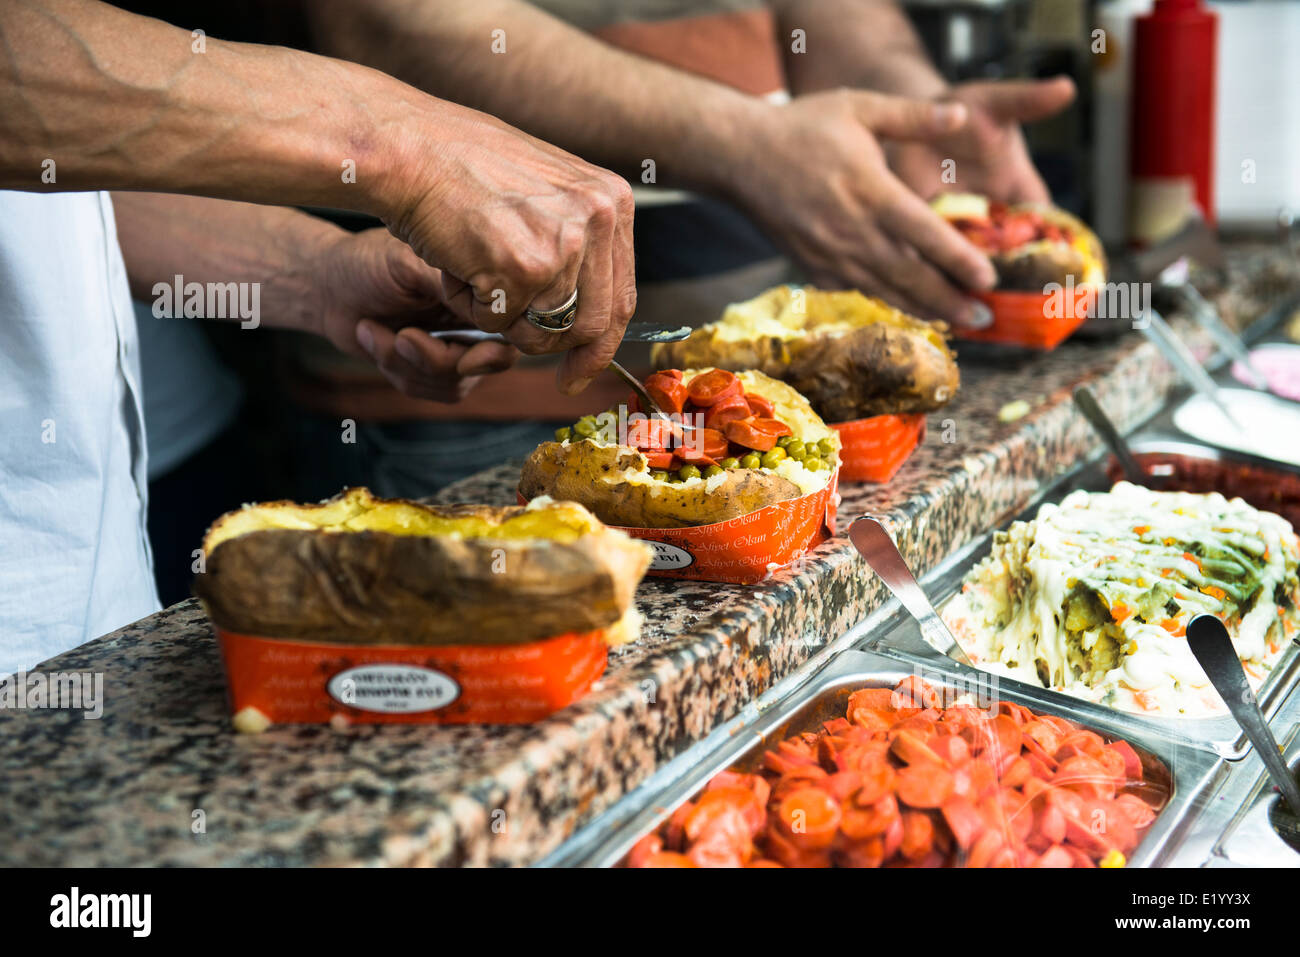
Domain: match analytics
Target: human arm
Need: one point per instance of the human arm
(811, 173)
(366, 292)
(870, 44)
(92, 97)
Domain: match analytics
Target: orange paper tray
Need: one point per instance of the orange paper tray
(874, 449)
(1032, 319)
(298, 682)
(746, 549)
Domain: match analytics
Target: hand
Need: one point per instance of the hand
(374, 297)
(520, 223)
(819, 183)
(989, 151)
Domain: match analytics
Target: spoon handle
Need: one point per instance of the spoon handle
(651, 407)
(1099, 420)
(1210, 643)
(876, 545)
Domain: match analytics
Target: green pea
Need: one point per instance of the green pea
(774, 457)
(660, 476)
(825, 446)
(688, 472)
(784, 440)
(813, 464)
(563, 434)
(730, 462)
(797, 450)
(585, 427)
(751, 461)
(713, 470)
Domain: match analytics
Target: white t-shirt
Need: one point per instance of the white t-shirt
(74, 553)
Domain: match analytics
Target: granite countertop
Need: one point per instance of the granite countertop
(161, 779)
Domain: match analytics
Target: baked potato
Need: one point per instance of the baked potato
(648, 482)
(852, 356)
(362, 570)
(1029, 244)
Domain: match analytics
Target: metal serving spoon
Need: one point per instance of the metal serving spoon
(877, 546)
(1099, 420)
(1212, 646)
(635, 332)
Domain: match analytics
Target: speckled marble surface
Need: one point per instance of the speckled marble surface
(160, 779)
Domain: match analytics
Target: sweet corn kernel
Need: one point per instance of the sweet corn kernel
(1113, 858)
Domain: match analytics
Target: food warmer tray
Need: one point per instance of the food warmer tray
(1194, 773)
(1221, 734)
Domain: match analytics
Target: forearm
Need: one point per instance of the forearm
(118, 101)
(215, 241)
(555, 81)
(858, 43)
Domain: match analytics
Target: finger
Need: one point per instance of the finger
(581, 365)
(903, 118)
(1025, 185)
(624, 268)
(926, 288)
(416, 282)
(1029, 187)
(494, 305)
(587, 274)
(1024, 101)
(487, 358)
(430, 375)
(589, 356)
(907, 217)
(441, 358)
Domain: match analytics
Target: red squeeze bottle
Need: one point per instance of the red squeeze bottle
(1172, 141)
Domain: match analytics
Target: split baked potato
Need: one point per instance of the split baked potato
(851, 355)
(362, 570)
(653, 487)
(1029, 244)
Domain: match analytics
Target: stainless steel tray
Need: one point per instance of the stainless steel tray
(1194, 773)
(1221, 735)
(1249, 839)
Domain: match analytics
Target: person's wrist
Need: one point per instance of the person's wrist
(719, 150)
(392, 160)
(300, 291)
(741, 145)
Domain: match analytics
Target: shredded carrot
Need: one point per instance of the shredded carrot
(1214, 591)
(1141, 529)
(1119, 611)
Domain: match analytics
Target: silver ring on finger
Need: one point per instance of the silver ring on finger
(559, 319)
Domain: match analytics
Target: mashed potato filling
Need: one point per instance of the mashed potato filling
(1092, 597)
(359, 511)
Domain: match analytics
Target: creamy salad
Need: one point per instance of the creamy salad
(1093, 596)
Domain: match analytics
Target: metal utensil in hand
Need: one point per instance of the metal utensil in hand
(876, 545)
(1210, 643)
(635, 332)
(650, 405)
